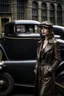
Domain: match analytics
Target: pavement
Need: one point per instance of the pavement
(18, 91)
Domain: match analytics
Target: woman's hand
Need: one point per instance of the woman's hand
(35, 71)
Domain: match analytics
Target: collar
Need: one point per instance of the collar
(51, 40)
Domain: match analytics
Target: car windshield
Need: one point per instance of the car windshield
(26, 28)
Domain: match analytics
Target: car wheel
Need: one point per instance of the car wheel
(60, 83)
(6, 84)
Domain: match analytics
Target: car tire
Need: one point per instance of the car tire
(6, 84)
(60, 83)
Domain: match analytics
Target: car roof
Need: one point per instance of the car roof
(59, 27)
(24, 22)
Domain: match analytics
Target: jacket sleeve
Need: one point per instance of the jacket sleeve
(57, 57)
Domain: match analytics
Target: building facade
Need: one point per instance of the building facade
(40, 10)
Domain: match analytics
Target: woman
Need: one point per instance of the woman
(48, 59)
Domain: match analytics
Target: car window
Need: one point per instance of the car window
(59, 33)
(21, 29)
(26, 28)
(9, 30)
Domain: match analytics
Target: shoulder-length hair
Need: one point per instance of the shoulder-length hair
(50, 34)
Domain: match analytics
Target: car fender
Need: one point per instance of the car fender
(3, 52)
(60, 83)
(60, 68)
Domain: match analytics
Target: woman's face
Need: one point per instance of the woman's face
(44, 31)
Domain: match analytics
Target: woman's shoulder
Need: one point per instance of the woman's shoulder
(55, 40)
(56, 43)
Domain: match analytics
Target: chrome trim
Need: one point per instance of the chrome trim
(24, 85)
(61, 63)
(23, 61)
(59, 85)
(19, 37)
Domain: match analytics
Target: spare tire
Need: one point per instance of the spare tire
(60, 83)
(6, 84)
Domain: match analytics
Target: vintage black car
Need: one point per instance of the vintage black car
(18, 55)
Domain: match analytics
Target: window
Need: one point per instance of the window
(34, 10)
(20, 9)
(4, 21)
(9, 30)
(52, 13)
(21, 29)
(26, 28)
(4, 6)
(43, 12)
(59, 15)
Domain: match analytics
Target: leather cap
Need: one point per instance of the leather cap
(46, 24)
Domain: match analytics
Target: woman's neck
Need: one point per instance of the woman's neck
(46, 38)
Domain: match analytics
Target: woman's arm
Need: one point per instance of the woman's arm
(57, 57)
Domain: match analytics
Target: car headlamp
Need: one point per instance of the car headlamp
(1, 64)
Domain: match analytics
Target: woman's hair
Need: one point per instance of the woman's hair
(50, 34)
